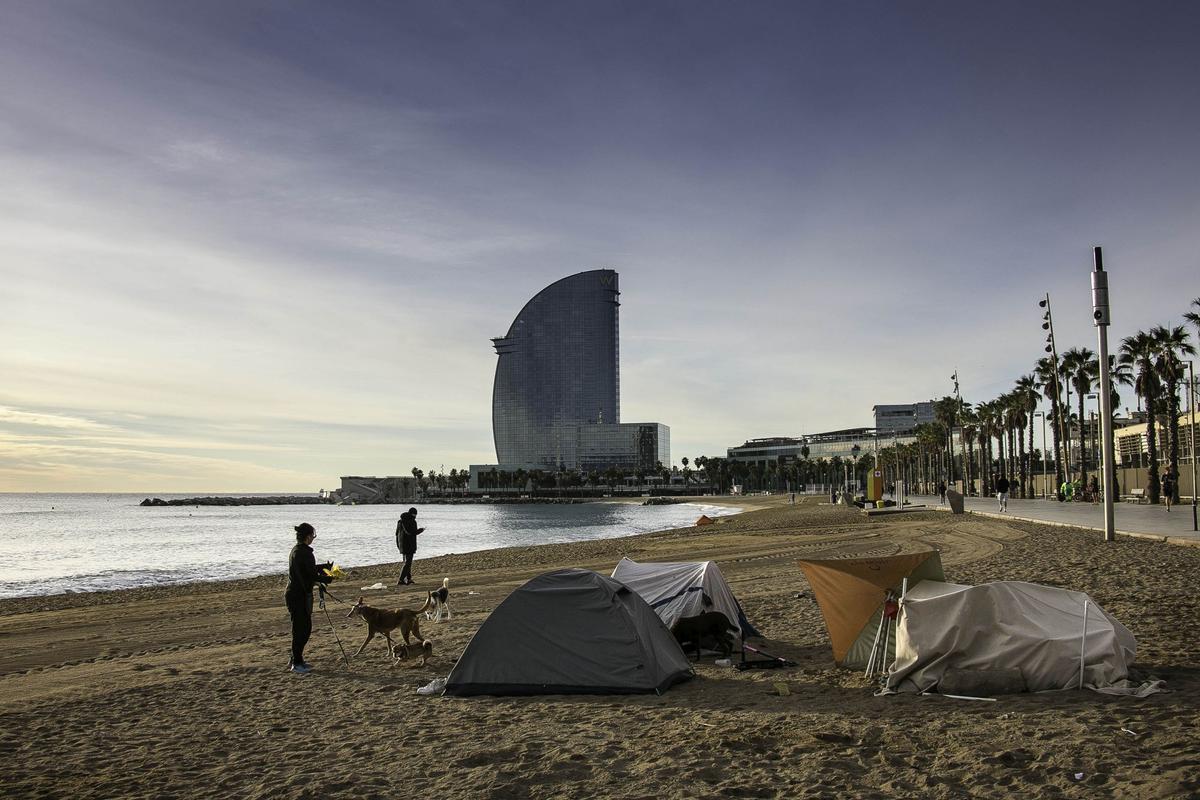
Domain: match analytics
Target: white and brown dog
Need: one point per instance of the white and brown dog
(438, 603)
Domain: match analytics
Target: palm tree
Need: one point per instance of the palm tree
(1119, 374)
(970, 430)
(999, 429)
(1026, 391)
(986, 414)
(945, 412)
(1194, 316)
(1172, 343)
(1047, 373)
(1082, 369)
(1014, 426)
(1139, 351)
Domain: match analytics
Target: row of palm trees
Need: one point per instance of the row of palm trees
(1152, 362)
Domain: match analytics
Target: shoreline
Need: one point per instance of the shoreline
(64, 600)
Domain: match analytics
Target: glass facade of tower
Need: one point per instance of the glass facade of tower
(558, 370)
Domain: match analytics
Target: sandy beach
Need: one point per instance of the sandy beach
(183, 692)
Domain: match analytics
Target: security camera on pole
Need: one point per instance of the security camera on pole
(1101, 319)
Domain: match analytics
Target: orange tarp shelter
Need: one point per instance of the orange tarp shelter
(851, 593)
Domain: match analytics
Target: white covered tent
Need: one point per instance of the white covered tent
(678, 589)
(1051, 635)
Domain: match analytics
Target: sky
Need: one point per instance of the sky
(255, 246)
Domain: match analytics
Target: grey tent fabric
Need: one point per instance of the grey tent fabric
(1040, 630)
(680, 589)
(571, 631)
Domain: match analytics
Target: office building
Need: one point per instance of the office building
(556, 399)
(891, 419)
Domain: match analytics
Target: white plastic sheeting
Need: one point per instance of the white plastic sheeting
(677, 589)
(1010, 624)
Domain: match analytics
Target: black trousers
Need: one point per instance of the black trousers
(406, 573)
(301, 609)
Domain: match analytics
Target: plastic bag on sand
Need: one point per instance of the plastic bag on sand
(376, 585)
(435, 686)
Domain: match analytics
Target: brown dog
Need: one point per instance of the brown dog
(402, 651)
(383, 622)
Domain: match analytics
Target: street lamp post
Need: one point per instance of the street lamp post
(1192, 436)
(1094, 450)
(1101, 318)
(1052, 349)
(958, 395)
(1042, 414)
(855, 450)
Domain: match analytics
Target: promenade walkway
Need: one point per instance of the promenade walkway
(1132, 519)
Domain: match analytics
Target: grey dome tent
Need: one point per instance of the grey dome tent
(571, 631)
(683, 589)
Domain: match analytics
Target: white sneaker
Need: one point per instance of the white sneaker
(435, 686)
(301, 669)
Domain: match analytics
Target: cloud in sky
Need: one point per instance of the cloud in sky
(259, 245)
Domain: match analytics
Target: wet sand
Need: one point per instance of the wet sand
(183, 692)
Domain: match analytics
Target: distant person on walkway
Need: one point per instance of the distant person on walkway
(406, 539)
(941, 493)
(1094, 489)
(793, 498)
(1002, 492)
(1168, 489)
(832, 494)
(303, 575)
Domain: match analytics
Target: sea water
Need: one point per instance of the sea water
(55, 543)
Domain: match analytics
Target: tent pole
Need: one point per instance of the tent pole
(1083, 642)
(875, 644)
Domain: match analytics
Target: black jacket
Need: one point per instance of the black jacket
(407, 532)
(302, 571)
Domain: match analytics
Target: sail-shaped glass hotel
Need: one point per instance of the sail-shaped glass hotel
(556, 400)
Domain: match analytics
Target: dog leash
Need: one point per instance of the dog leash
(331, 628)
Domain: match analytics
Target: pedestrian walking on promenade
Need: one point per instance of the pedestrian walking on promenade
(1002, 492)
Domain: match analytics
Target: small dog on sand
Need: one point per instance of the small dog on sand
(425, 648)
(704, 630)
(383, 622)
(439, 602)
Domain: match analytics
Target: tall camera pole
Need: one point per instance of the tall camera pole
(1192, 431)
(1101, 319)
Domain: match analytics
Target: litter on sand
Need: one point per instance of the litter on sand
(376, 585)
(1131, 733)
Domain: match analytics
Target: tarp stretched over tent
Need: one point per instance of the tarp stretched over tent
(851, 593)
(677, 589)
(1037, 629)
(572, 631)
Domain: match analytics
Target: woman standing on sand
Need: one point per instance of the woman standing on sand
(303, 575)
